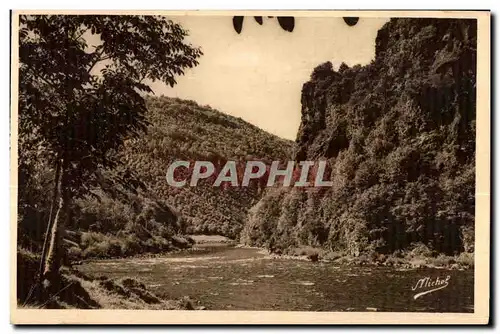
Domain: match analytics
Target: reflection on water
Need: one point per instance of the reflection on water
(245, 279)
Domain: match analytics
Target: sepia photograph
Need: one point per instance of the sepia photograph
(298, 167)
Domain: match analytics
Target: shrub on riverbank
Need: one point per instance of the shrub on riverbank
(462, 261)
(409, 259)
(96, 245)
(466, 259)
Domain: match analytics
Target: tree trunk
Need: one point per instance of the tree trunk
(55, 248)
(55, 196)
(53, 260)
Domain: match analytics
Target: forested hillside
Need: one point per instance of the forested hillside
(399, 136)
(183, 130)
(112, 221)
(148, 215)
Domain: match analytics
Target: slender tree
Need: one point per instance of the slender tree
(78, 102)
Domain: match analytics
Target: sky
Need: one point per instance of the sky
(258, 75)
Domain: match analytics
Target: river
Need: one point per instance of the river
(223, 277)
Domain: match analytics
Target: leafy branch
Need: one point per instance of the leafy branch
(287, 23)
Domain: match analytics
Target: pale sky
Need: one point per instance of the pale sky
(258, 75)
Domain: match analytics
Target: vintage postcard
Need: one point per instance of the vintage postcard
(252, 167)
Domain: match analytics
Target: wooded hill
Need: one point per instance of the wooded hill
(184, 130)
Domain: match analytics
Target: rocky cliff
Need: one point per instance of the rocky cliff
(399, 136)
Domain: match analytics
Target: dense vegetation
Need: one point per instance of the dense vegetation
(399, 136)
(151, 217)
(183, 130)
(111, 221)
(74, 116)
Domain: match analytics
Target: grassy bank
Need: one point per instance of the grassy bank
(418, 257)
(98, 246)
(78, 290)
(211, 239)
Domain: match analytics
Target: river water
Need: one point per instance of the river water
(223, 277)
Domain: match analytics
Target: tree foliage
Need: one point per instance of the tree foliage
(78, 101)
(74, 113)
(286, 23)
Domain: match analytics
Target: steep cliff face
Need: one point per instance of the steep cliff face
(399, 136)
